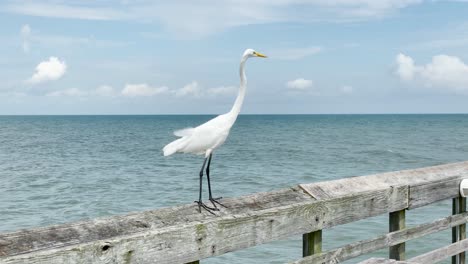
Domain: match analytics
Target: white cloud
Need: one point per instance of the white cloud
(294, 54)
(206, 17)
(25, 30)
(57, 40)
(299, 84)
(52, 69)
(53, 41)
(347, 89)
(105, 91)
(143, 89)
(72, 92)
(195, 90)
(13, 94)
(53, 9)
(445, 72)
(222, 90)
(406, 68)
(190, 89)
(25, 33)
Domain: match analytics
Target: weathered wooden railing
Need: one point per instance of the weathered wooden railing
(182, 235)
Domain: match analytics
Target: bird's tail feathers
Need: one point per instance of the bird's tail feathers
(186, 132)
(174, 146)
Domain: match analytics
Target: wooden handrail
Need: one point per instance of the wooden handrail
(181, 235)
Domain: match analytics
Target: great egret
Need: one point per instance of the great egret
(205, 138)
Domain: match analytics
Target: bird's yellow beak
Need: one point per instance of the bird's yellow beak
(258, 54)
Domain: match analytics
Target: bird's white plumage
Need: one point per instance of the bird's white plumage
(206, 137)
(202, 139)
(184, 132)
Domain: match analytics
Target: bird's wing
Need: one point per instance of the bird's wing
(186, 132)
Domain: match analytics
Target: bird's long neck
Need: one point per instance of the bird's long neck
(240, 96)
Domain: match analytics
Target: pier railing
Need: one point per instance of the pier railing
(182, 235)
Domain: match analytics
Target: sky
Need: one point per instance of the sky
(65, 57)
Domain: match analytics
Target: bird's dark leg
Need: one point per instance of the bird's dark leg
(199, 202)
(214, 201)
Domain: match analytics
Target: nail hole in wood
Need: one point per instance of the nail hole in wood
(105, 247)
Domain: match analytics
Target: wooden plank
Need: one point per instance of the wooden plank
(385, 261)
(367, 246)
(442, 253)
(25, 241)
(187, 236)
(425, 193)
(82, 232)
(312, 243)
(337, 188)
(250, 220)
(397, 222)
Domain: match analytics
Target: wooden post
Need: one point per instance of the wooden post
(312, 243)
(458, 232)
(397, 222)
(462, 231)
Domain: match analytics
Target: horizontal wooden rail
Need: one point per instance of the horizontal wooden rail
(442, 253)
(189, 240)
(394, 238)
(429, 257)
(426, 185)
(385, 261)
(180, 234)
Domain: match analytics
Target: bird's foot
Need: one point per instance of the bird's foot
(214, 201)
(206, 207)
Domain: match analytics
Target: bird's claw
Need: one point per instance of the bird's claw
(207, 208)
(214, 201)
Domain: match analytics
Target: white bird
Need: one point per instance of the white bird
(205, 138)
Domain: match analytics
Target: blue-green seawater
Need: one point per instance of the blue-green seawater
(57, 169)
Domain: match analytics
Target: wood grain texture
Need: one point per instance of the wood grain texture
(394, 238)
(440, 174)
(442, 253)
(191, 240)
(385, 261)
(181, 234)
(100, 230)
(424, 193)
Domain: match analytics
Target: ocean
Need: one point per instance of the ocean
(58, 169)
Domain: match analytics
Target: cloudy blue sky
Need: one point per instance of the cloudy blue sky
(181, 57)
